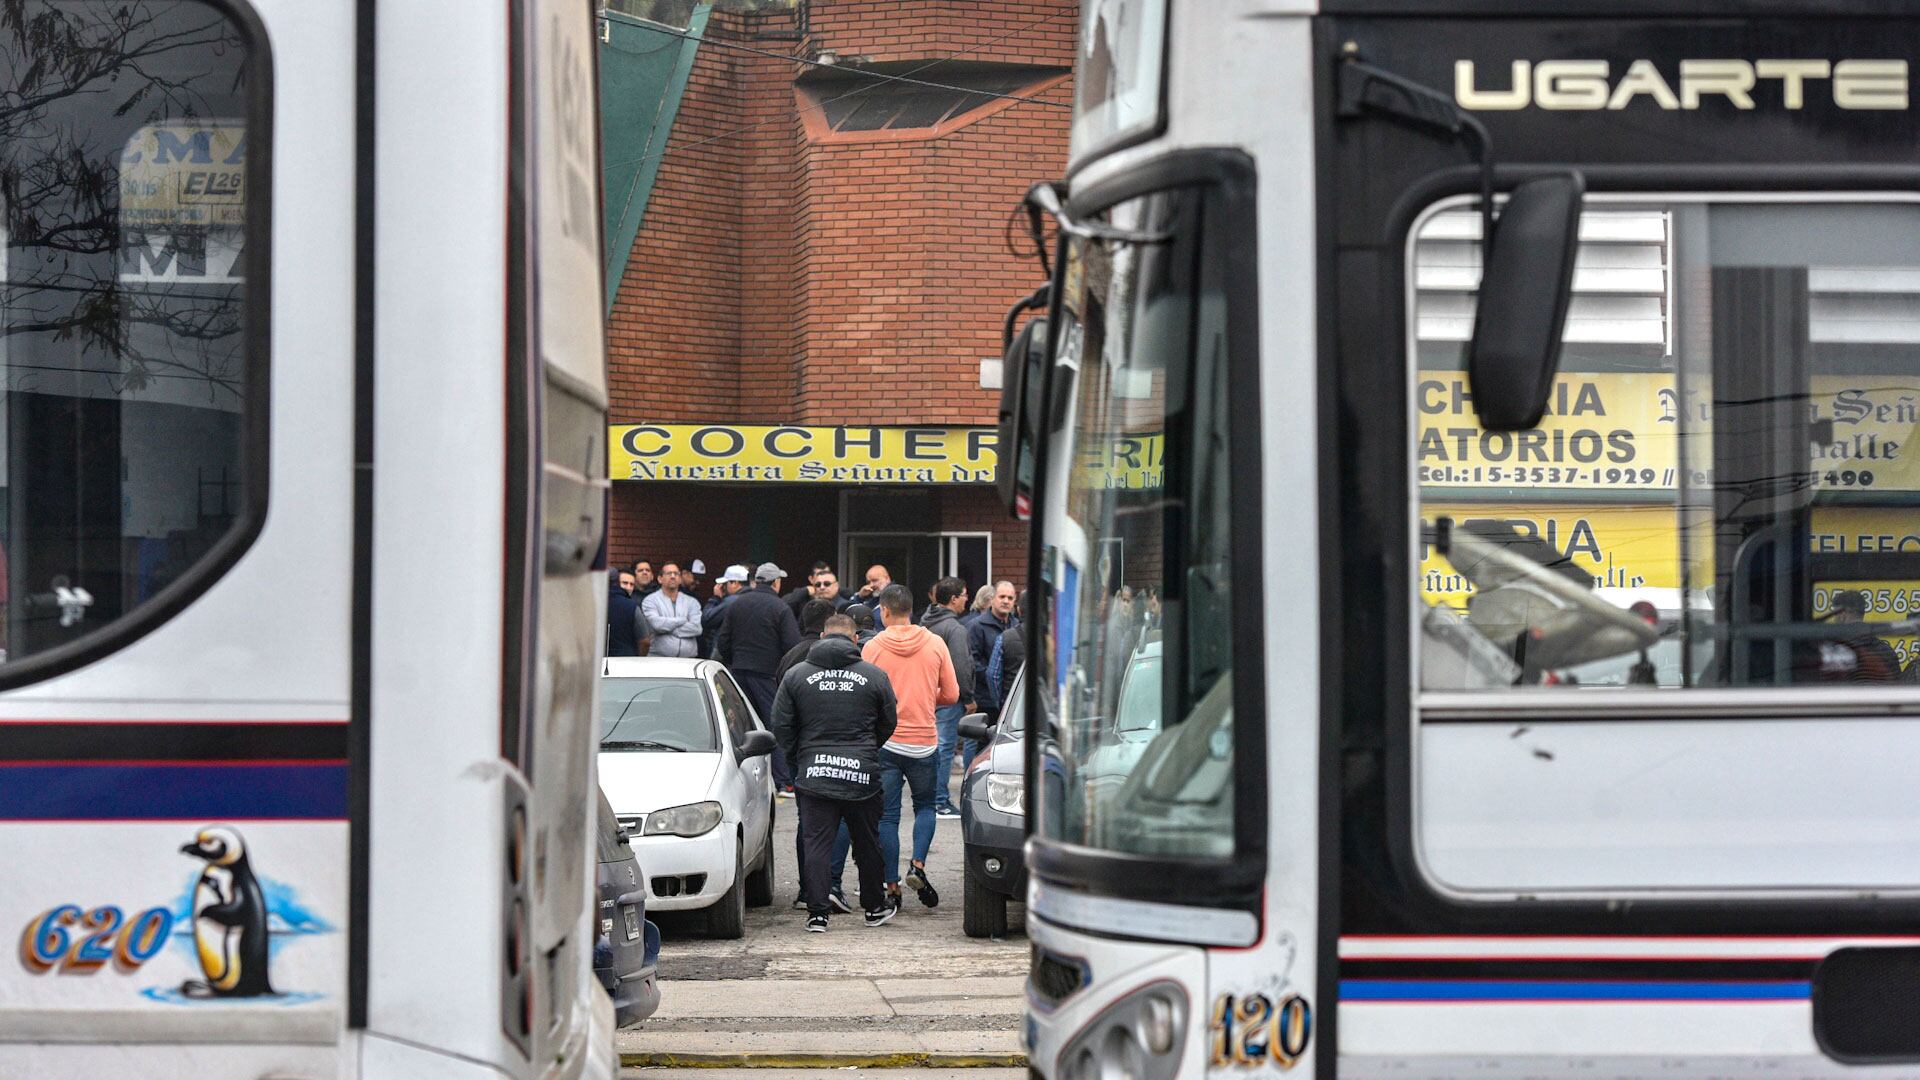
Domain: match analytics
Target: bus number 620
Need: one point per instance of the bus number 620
(76, 942)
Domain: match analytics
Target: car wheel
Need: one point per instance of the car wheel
(760, 879)
(727, 918)
(983, 912)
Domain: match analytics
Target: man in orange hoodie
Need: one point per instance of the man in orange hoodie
(921, 669)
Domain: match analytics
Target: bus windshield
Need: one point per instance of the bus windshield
(1142, 755)
(1725, 491)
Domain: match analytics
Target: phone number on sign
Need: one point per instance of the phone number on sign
(1544, 474)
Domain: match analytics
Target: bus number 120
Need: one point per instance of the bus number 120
(1249, 1031)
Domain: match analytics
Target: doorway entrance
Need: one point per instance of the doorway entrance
(917, 560)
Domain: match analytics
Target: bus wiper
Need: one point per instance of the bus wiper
(642, 744)
(1363, 87)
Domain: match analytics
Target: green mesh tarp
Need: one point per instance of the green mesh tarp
(643, 74)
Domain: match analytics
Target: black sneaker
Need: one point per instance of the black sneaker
(893, 898)
(838, 898)
(879, 916)
(916, 880)
(817, 924)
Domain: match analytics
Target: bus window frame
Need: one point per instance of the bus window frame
(1421, 905)
(1123, 138)
(255, 425)
(1236, 882)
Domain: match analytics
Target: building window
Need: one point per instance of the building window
(863, 103)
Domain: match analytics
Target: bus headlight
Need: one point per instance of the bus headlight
(1007, 794)
(693, 819)
(1138, 1037)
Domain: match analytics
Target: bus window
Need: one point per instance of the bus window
(1725, 491)
(133, 433)
(1144, 738)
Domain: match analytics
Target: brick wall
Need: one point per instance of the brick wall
(776, 280)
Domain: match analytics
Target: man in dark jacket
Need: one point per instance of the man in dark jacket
(832, 714)
(756, 630)
(982, 634)
(942, 617)
(627, 629)
(1010, 655)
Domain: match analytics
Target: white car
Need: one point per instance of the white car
(683, 759)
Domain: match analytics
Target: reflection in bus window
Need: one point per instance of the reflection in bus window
(127, 352)
(1725, 491)
(1144, 732)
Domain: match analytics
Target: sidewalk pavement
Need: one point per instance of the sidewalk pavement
(915, 993)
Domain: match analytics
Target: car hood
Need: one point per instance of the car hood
(641, 781)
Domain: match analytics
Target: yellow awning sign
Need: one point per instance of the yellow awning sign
(788, 454)
(1620, 432)
(795, 454)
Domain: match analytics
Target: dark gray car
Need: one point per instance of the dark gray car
(993, 820)
(626, 953)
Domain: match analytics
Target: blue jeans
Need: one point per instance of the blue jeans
(897, 771)
(946, 722)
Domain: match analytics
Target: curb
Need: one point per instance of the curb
(906, 1059)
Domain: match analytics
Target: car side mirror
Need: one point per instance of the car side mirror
(1526, 286)
(756, 744)
(976, 728)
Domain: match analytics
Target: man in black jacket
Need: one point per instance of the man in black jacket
(832, 714)
(757, 631)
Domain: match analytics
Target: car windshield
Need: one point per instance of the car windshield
(1013, 715)
(1140, 695)
(655, 715)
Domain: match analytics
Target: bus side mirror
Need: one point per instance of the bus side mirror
(1020, 383)
(1525, 288)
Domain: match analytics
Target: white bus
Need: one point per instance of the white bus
(1527, 651)
(304, 464)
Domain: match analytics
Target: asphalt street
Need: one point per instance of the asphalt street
(916, 992)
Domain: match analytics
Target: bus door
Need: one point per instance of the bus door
(1622, 708)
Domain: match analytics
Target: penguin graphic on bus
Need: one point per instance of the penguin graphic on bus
(229, 919)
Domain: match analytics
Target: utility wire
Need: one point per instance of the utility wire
(832, 100)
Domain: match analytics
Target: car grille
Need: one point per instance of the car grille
(666, 885)
(1056, 978)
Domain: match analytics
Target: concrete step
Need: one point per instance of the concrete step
(816, 1049)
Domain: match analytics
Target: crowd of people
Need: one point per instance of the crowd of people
(864, 697)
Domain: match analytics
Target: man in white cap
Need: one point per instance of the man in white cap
(725, 587)
(756, 630)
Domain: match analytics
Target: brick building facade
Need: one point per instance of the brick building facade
(829, 248)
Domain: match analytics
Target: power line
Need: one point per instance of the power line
(838, 98)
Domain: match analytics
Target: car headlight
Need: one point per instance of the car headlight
(1007, 794)
(693, 819)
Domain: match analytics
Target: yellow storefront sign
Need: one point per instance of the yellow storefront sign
(1638, 546)
(793, 454)
(1620, 433)
(1621, 546)
(851, 455)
